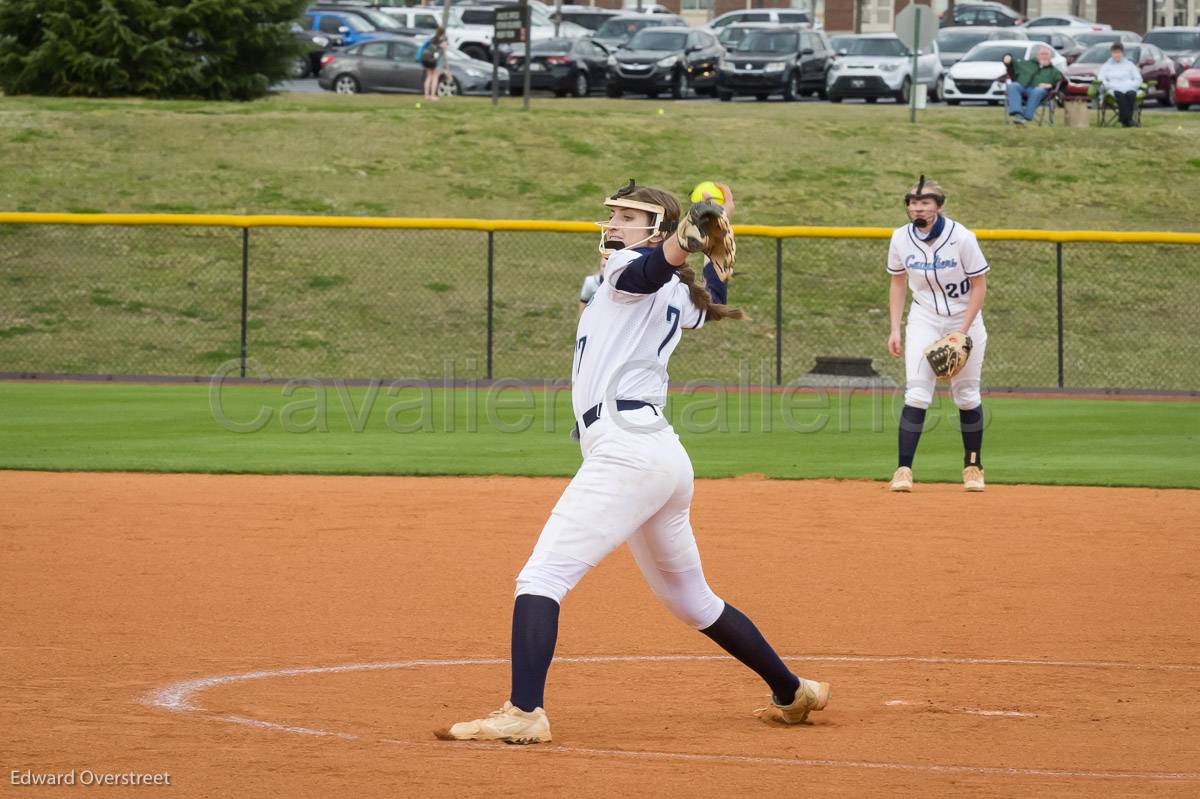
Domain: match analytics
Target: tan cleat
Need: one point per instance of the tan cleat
(810, 696)
(509, 724)
(902, 479)
(973, 478)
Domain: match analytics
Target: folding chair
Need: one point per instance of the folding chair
(1044, 114)
(1107, 113)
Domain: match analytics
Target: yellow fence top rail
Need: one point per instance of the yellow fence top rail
(496, 225)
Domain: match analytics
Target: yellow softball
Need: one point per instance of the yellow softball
(709, 188)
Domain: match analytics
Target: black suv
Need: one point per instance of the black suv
(774, 59)
(982, 13)
(668, 59)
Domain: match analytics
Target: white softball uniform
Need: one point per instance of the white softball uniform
(635, 483)
(939, 276)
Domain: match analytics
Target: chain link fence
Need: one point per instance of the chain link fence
(438, 303)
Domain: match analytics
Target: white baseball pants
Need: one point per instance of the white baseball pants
(635, 486)
(925, 327)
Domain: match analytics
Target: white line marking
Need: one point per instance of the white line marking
(178, 698)
(269, 725)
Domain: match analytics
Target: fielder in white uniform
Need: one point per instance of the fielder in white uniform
(635, 483)
(939, 260)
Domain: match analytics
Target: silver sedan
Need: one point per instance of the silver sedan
(389, 64)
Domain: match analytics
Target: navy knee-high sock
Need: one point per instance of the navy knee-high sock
(971, 424)
(912, 422)
(534, 634)
(738, 636)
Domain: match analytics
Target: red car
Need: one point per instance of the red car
(1157, 69)
(1187, 89)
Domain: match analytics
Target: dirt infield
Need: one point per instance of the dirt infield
(302, 636)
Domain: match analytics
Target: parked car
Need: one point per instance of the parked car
(315, 45)
(541, 26)
(779, 16)
(1064, 23)
(1187, 88)
(389, 64)
(350, 28)
(590, 17)
(620, 29)
(953, 43)
(981, 74)
(730, 35)
(666, 59)
(474, 40)
(1157, 69)
(982, 13)
(379, 21)
(1088, 38)
(576, 66)
(1177, 42)
(1064, 43)
(1187, 61)
(879, 65)
(645, 7)
(772, 59)
(840, 42)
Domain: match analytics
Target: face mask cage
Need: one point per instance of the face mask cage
(657, 213)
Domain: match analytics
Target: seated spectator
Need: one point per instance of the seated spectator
(1029, 83)
(1121, 79)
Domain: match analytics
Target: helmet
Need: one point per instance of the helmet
(925, 190)
(623, 198)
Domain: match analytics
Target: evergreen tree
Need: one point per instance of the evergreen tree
(210, 49)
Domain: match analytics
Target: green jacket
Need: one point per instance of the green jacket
(1030, 73)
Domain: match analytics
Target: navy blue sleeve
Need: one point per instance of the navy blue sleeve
(716, 289)
(647, 274)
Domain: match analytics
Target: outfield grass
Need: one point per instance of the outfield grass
(173, 428)
(808, 163)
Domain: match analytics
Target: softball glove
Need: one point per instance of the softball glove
(706, 229)
(948, 355)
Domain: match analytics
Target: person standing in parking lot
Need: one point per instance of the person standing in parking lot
(1121, 79)
(1029, 83)
(431, 52)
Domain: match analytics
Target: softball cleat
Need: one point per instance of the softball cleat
(509, 724)
(973, 478)
(902, 479)
(810, 696)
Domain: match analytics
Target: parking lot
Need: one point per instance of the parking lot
(309, 86)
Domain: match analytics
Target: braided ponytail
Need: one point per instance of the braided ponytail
(714, 312)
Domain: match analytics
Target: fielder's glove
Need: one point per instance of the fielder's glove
(948, 355)
(706, 229)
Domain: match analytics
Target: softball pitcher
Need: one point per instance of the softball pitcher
(635, 483)
(941, 263)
